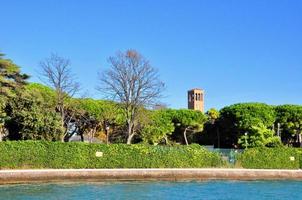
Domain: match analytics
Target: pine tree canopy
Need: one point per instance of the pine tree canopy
(11, 77)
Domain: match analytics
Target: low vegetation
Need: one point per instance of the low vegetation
(271, 158)
(42, 154)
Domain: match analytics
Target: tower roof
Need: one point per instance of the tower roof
(194, 89)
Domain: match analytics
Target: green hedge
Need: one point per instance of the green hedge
(270, 158)
(37, 154)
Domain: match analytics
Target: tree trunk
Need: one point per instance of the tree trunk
(105, 127)
(130, 133)
(185, 136)
(299, 139)
(166, 140)
(65, 136)
(2, 133)
(91, 135)
(62, 116)
(129, 139)
(61, 110)
(107, 136)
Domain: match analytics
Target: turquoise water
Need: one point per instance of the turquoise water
(255, 190)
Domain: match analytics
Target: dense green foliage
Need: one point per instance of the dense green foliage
(259, 136)
(238, 119)
(212, 115)
(44, 93)
(159, 127)
(10, 77)
(290, 119)
(92, 116)
(187, 121)
(210, 135)
(270, 158)
(11, 80)
(30, 117)
(253, 125)
(3, 117)
(34, 154)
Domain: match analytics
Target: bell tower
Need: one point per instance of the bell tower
(196, 99)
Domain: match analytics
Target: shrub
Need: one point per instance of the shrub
(37, 154)
(270, 158)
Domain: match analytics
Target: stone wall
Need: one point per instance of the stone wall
(53, 175)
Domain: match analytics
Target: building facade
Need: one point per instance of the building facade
(196, 99)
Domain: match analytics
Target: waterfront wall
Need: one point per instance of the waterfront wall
(57, 175)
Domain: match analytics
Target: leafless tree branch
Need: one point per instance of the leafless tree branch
(133, 82)
(56, 73)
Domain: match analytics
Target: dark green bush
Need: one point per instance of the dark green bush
(37, 154)
(270, 158)
(300, 156)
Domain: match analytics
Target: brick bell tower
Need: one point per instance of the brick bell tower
(196, 99)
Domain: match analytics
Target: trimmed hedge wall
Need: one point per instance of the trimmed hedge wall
(270, 158)
(40, 154)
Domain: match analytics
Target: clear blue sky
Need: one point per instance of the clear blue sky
(237, 51)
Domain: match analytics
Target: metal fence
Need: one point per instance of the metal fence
(228, 155)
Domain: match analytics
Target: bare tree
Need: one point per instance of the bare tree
(56, 73)
(134, 83)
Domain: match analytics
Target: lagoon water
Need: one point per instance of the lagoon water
(155, 190)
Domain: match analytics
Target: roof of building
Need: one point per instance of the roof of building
(196, 89)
